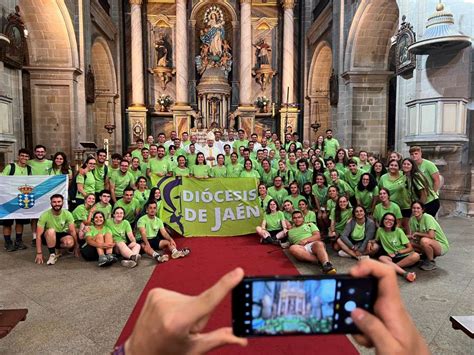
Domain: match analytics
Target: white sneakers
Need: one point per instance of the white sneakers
(52, 259)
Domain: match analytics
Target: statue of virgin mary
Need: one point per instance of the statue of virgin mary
(215, 32)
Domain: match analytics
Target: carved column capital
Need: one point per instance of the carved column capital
(245, 1)
(288, 4)
(136, 2)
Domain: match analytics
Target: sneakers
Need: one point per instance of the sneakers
(128, 263)
(136, 258)
(180, 253)
(329, 269)
(428, 265)
(112, 258)
(20, 245)
(103, 260)
(343, 254)
(161, 258)
(9, 246)
(362, 257)
(285, 245)
(52, 259)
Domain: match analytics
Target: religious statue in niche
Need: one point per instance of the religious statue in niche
(162, 69)
(215, 50)
(405, 61)
(90, 86)
(333, 89)
(263, 71)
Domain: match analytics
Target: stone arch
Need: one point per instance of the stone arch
(105, 89)
(53, 63)
(363, 119)
(318, 107)
(369, 40)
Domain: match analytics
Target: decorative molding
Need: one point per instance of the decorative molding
(13, 54)
(264, 23)
(162, 21)
(136, 2)
(320, 26)
(405, 61)
(103, 20)
(288, 4)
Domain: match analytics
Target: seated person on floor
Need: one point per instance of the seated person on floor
(56, 230)
(99, 242)
(273, 228)
(427, 236)
(354, 240)
(81, 216)
(130, 205)
(306, 244)
(154, 238)
(103, 205)
(397, 250)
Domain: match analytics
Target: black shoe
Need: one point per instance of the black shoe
(328, 269)
(9, 247)
(33, 242)
(20, 245)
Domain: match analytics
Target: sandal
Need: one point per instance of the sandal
(410, 276)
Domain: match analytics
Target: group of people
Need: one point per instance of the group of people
(311, 193)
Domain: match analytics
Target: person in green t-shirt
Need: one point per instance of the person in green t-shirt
(40, 165)
(426, 236)
(234, 168)
(398, 251)
(82, 216)
(263, 198)
(101, 172)
(339, 217)
(331, 145)
(60, 166)
(201, 170)
(56, 230)
(99, 242)
(366, 192)
(181, 170)
(357, 236)
(219, 170)
(121, 181)
(142, 193)
(123, 238)
(85, 181)
(273, 228)
(155, 239)
(294, 195)
(385, 206)
(249, 172)
(130, 205)
(309, 216)
(306, 244)
(103, 205)
(277, 191)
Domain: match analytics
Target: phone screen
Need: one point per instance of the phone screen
(291, 305)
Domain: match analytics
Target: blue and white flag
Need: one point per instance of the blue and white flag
(24, 197)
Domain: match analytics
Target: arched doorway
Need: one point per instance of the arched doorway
(106, 94)
(318, 105)
(367, 75)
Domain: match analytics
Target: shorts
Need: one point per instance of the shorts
(309, 247)
(9, 222)
(155, 242)
(406, 212)
(432, 207)
(397, 258)
(274, 233)
(59, 236)
(89, 253)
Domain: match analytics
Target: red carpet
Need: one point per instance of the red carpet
(209, 260)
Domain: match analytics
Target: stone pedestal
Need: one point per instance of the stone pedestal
(136, 123)
(181, 118)
(288, 117)
(247, 118)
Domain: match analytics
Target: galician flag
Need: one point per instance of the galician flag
(25, 197)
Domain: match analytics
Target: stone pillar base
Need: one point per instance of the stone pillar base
(181, 118)
(288, 118)
(136, 123)
(247, 118)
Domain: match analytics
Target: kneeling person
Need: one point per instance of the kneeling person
(56, 230)
(306, 244)
(155, 238)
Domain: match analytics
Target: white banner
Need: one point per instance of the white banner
(24, 197)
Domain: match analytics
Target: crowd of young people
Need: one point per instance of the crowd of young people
(314, 196)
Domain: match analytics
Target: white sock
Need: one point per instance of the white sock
(155, 254)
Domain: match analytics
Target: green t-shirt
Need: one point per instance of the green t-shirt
(273, 221)
(250, 174)
(424, 225)
(141, 197)
(130, 209)
(94, 231)
(344, 187)
(119, 230)
(234, 170)
(19, 171)
(267, 177)
(152, 226)
(428, 168)
(137, 153)
(121, 182)
(40, 167)
(278, 195)
(358, 233)
(191, 158)
(302, 178)
(88, 183)
(59, 223)
(392, 241)
(310, 217)
(345, 216)
(181, 172)
(263, 203)
(173, 162)
(366, 197)
(380, 210)
(201, 171)
(99, 177)
(135, 173)
(240, 143)
(353, 179)
(330, 147)
(219, 171)
(80, 214)
(297, 234)
(159, 166)
(295, 200)
(398, 189)
(320, 194)
(106, 210)
(330, 205)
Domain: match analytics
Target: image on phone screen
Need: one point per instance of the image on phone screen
(299, 305)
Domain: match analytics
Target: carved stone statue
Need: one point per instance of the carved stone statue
(161, 51)
(262, 50)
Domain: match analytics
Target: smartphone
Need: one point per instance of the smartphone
(299, 305)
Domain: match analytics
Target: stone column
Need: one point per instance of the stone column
(138, 98)
(245, 53)
(288, 53)
(181, 54)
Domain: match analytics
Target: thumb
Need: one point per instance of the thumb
(373, 328)
(204, 342)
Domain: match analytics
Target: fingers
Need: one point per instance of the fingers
(373, 329)
(362, 340)
(209, 299)
(202, 343)
(386, 276)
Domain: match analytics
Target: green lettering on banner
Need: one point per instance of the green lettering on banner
(213, 207)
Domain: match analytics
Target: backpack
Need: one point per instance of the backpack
(72, 190)
(13, 168)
